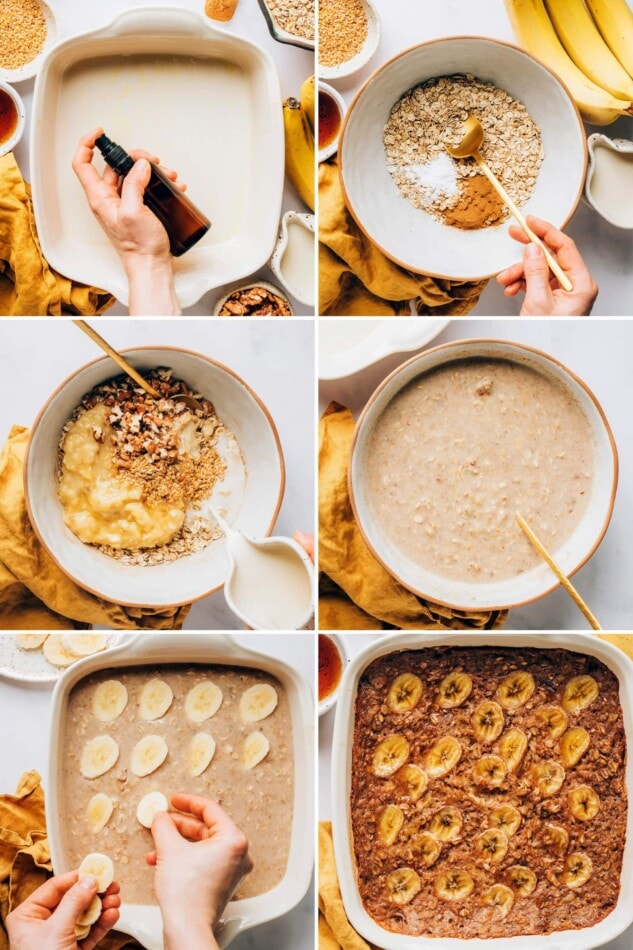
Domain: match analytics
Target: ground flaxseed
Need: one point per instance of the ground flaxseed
(342, 31)
(22, 32)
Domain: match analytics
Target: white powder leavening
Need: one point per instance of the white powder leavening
(435, 179)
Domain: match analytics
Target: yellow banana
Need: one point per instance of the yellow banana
(307, 98)
(614, 19)
(534, 30)
(300, 167)
(580, 37)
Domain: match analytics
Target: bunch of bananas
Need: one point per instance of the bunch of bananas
(299, 125)
(589, 44)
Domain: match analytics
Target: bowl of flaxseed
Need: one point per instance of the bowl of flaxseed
(121, 486)
(28, 29)
(349, 34)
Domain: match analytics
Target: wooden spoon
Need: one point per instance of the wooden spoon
(565, 582)
(469, 146)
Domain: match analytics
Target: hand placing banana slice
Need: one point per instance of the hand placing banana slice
(515, 690)
(148, 754)
(99, 811)
(554, 719)
(584, 804)
(454, 690)
(200, 752)
(149, 806)
(404, 693)
(98, 757)
(548, 777)
(490, 771)
(488, 721)
(99, 866)
(492, 845)
(390, 821)
(426, 848)
(414, 781)
(454, 886)
(402, 886)
(442, 757)
(109, 700)
(522, 880)
(256, 748)
(258, 702)
(390, 755)
(156, 698)
(579, 693)
(578, 870)
(500, 897)
(573, 746)
(203, 701)
(512, 747)
(506, 818)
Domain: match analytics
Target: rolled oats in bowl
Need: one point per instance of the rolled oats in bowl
(293, 16)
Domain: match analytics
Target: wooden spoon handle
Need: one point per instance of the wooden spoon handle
(118, 359)
(554, 266)
(565, 582)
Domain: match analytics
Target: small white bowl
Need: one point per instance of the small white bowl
(31, 68)
(332, 148)
(619, 176)
(252, 283)
(353, 65)
(339, 644)
(10, 144)
(283, 36)
(306, 292)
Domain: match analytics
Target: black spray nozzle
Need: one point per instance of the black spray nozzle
(115, 156)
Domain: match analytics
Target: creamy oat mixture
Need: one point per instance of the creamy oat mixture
(259, 800)
(463, 448)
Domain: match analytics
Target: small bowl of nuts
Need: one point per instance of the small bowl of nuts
(349, 34)
(257, 299)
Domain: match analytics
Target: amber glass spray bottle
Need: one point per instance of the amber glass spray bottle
(184, 223)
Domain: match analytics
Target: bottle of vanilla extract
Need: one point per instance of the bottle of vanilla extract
(184, 223)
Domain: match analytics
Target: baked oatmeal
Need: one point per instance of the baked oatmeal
(488, 791)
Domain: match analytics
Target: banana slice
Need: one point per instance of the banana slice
(256, 748)
(573, 746)
(579, 693)
(404, 693)
(81, 932)
(454, 886)
(99, 811)
(147, 755)
(402, 886)
(414, 780)
(554, 719)
(156, 698)
(488, 721)
(99, 866)
(446, 824)
(584, 804)
(204, 700)
(522, 880)
(426, 848)
(489, 771)
(548, 777)
(109, 700)
(29, 641)
(200, 752)
(91, 914)
(500, 897)
(442, 757)
(257, 703)
(390, 821)
(390, 755)
(578, 870)
(56, 653)
(492, 845)
(84, 644)
(454, 690)
(512, 747)
(98, 756)
(556, 838)
(507, 818)
(149, 806)
(515, 690)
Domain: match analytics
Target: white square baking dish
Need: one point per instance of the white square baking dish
(144, 923)
(587, 939)
(206, 101)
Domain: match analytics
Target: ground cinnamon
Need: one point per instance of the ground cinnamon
(478, 206)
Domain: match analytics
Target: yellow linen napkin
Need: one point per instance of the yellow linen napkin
(355, 583)
(355, 277)
(28, 286)
(335, 930)
(34, 593)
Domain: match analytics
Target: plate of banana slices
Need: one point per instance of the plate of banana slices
(41, 657)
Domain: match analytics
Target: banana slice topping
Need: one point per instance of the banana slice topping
(256, 748)
(512, 747)
(492, 845)
(578, 870)
(200, 752)
(442, 757)
(556, 838)
(257, 703)
(507, 818)
(402, 886)
(490, 771)
(584, 804)
(390, 755)
(522, 880)
(204, 700)
(99, 755)
(515, 690)
(148, 754)
(404, 693)
(500, 897)
(488, 721)
(99, 811)
(109, 700)
(454, 886)
(149, 806)
(548, 777)
(156, 698)
(579, 693)
(446, 823)
(414, 781)
(454, 690)
(390, 821)
(427, 848)
(554, 719)
(573, 746)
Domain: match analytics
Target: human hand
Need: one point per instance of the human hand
(306, 541)
(200, 858)
(47, 919)
(543, 294)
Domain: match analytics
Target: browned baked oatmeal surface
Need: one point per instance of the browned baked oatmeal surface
(488, 791)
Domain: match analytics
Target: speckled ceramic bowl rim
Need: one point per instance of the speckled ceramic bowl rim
(104, 359)
(458, 344)
(388, 63)
(365, 54)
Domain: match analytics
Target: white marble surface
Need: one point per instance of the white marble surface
(607, 250)
(293, 65)
(354, 643)
(276, 358)
(600, 354)
(24, 722)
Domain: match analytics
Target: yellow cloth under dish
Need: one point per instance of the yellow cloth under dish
(356, 592)
(28, 286)
(335, 930)
(25, 861)
(357, 280)
(34, 593)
